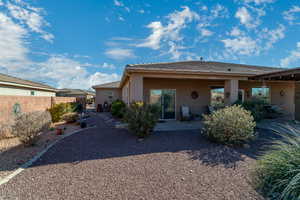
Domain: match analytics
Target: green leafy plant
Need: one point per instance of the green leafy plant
(141, 118)
(230, 125)
(58, 110)
(277, 173)
(260, 109)
(28, 126)
(118, 108)
(70, 117)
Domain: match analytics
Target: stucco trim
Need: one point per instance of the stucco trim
(26, 86)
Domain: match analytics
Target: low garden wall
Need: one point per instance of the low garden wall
(10, 105)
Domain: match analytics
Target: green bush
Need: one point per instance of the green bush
(58, 110)
(141, 118)
(70, 117)
(118, 108)
(230, 125)
(28, 126)
(277, 173)
(256, 107)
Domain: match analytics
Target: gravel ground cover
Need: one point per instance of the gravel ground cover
(13, 154)
(108, 163)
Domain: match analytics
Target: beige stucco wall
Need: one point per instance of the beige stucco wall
(184, 88)
(125, 92)
(16, 91)
(102, 95)
(286, 102)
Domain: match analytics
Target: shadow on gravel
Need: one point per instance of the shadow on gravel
(215, 154)
(104, 142)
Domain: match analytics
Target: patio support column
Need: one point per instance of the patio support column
(136, 88)
(231, 90)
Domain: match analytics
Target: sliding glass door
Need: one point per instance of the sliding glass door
(165, 100)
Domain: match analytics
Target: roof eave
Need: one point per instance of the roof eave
(27, 86)
(203, 72)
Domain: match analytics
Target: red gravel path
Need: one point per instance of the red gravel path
(106, 163)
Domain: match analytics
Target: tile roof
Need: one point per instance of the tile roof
(14, 80)
(115, 84)
(67, 91)
(204, 66)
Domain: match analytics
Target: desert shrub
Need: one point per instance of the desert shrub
(70, 117)
(118, 108)
(277, 173)
(58, 110)
(141, 118)
(5, 131)
(230, 125)
(28, 126)
(256, 107)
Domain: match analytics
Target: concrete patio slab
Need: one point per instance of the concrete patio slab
(178, 125)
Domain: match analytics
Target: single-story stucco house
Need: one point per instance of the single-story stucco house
(197, 84)
(66, 92)
(10, 85)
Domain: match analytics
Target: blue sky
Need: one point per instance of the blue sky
(77, 44)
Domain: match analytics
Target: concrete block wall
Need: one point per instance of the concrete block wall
(27, 104)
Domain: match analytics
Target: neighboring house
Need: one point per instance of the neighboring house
(107, 92)
(87, 94)
(10, 85)
(197, 84)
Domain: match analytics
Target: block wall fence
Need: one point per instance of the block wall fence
(9, 105)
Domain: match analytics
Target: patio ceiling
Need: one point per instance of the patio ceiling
(284, 75)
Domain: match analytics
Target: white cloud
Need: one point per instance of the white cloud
(290, 15)
(118, 3)
(242, 45)
(206, 33)
(293, 57)
(64, 72)
(142, 11)
(121, 4)
(31, 17)
(169, 33)
(244, 16)
(121, 18)
(272, 36)
(259, 1)
(219, 11)
(204, 8)
(153, 40)
(100, 78)
(70, 73)
(119, 53)
(127, 9)
(12, 45)
(16, 25)
(236, 32)
(250, 16)
(108, 66)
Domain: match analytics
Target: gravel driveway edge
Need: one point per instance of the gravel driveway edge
(36, 157)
